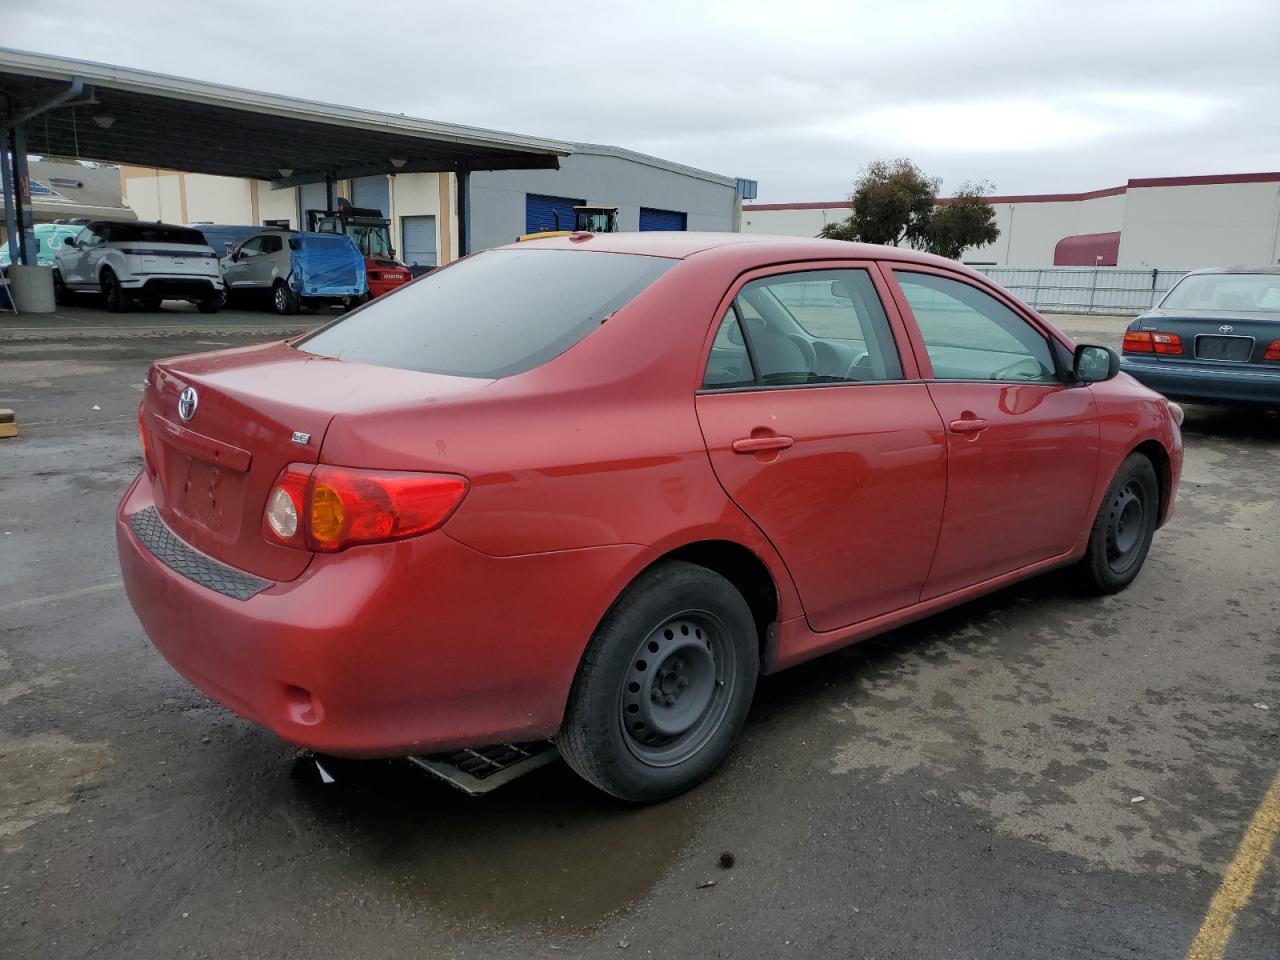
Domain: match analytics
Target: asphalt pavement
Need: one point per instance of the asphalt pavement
(1041, 773)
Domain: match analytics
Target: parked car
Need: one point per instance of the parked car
(1214, 337)
(589, 488)
(223, 238)
(142, 263)
(49, 237)
(297, 270)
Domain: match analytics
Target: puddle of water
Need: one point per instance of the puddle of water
(547, 850)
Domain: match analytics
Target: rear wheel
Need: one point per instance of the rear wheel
(1123, 528)
(61, 294)
(283, 300)
(210, 304)
(664, 686)
(118, 300)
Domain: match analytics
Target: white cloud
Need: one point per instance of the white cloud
(1035, 96)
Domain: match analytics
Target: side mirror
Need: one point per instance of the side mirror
(840, 290)
(68, 241)
(1093, 364)
(229, 249)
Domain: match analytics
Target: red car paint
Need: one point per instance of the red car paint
(865, 502)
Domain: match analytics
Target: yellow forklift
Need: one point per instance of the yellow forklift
(586, 219)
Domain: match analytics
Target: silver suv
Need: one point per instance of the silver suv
(140, 263)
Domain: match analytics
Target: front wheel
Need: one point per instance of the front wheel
(61, 295)
(664, 686)
(1123, 528)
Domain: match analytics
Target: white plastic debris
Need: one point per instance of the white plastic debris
(96, 407)
(325, 775)
(1263, 706)
(1137, 799)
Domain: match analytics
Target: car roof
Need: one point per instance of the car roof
(1267, 268)
(757, 247)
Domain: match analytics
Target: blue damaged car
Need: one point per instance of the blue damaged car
(293, 270)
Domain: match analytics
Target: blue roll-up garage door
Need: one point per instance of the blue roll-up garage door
(540, 212)
(663, 219)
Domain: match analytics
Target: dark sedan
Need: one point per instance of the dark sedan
(1215, 337)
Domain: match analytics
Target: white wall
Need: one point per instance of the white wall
(416, 195)
(1217, 225)
(277, 204)
(218, 199)
(792, 223)
(154, 196)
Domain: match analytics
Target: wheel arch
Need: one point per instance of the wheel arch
(745, 569)
(1155, 451)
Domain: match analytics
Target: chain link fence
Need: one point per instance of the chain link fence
(1104, 290)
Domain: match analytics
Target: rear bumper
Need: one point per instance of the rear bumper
(385, 650)
(176, 288)
(1198, 382)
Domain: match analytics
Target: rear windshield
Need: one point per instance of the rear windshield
(495, 314)
(154, 233)
(1225, 291)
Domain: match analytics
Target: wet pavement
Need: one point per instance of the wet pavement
(963, 787)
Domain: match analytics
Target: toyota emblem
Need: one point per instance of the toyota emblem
(187, 403)
(1226, 328)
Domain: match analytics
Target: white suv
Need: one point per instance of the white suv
(139, 262)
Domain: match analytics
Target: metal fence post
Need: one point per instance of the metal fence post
(1035, 297)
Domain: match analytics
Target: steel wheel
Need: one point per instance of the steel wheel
(677, 689)
(281, 299)
(1126, 526)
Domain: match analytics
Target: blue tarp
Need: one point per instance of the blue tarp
(326, 265)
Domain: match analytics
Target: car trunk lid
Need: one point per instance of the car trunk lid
(1227, 338)
(255, 411)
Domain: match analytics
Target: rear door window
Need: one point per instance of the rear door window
(492, 315)
(811, 327)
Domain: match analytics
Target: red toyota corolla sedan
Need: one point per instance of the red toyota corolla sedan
(589, 488)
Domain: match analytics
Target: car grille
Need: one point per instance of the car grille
(165, 546)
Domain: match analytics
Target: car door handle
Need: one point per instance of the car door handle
(969, 425)
(757, 444)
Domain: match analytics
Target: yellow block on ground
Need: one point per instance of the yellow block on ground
(8, 424)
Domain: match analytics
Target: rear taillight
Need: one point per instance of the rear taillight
(1138, 341)
(1273, 351)
(331, 508)
(1141, 341)
(145, 440)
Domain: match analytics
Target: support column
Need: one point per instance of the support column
(22, 193)
(464, 212)
(10, 218)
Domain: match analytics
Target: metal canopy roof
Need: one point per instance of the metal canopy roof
(153, 120)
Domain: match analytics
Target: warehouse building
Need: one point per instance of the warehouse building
(195, 152)
(650, 194)
(1155, 222)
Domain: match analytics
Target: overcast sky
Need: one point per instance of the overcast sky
(798, 94)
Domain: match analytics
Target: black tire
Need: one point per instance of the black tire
(664, 686)
(61, 293)
(210, 304)
(1122, 531)
(283, 300)
(118, 300)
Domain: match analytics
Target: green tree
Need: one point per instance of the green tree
(961, 221)
(895, 202)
